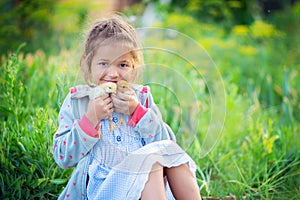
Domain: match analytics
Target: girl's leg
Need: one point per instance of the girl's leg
(155, 188)
(182, 183)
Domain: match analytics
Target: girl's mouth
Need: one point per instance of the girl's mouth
(113, 81)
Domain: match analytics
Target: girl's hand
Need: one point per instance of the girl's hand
(99, 108)
(125, 102)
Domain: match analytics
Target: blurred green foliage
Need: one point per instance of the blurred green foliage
(250, 55)
(226, 13)
(31, 97)
(25, 21)
(48, 25)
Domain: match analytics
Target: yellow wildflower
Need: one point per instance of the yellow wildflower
(240, 30)
(247, 50)
(260, 29)
(268, 142)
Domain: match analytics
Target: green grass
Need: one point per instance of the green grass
(256, 157)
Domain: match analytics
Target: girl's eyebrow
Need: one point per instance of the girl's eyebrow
(128, 60)
(124, 60)
(102, 59)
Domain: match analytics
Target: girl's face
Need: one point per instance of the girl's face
(112, 63)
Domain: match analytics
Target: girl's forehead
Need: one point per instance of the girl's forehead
(113, 52)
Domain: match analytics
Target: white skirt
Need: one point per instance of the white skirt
(115, 174)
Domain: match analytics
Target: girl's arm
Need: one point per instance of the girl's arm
(71, 142)
(147, 121)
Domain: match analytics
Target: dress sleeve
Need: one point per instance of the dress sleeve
(70, 142)
(151, 126)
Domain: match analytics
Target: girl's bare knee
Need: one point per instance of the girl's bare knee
(154, 187)
(182, 182)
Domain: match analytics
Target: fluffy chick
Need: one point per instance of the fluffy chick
(122, 86)
(100, 90)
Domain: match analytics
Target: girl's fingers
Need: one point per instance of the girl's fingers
(105, 99)
(110, 106)
(121, 106)
(117, 103)
(108, 101)
(124, 102)
(124, 96)
(118, 96)
(105, 96)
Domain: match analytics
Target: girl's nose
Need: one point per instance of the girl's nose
(112, 71)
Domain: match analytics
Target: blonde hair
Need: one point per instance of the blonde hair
(107, 31)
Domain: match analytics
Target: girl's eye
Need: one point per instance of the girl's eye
(124, 65)
(103, 64)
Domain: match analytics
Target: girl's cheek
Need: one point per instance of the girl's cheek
(98, 76)
(128, 76)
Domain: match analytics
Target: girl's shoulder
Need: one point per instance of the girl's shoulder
(75, 92)
(79, 91)
(76, 101)
(140, 88)
(143, 93)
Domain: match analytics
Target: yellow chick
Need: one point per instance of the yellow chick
(122, 86)
(100, 90)
(105, 88)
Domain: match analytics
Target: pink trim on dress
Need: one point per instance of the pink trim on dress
(144, 89)
(73, 90)
(139, 112)
(88, 127)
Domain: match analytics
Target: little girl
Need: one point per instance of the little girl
(117, 143)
